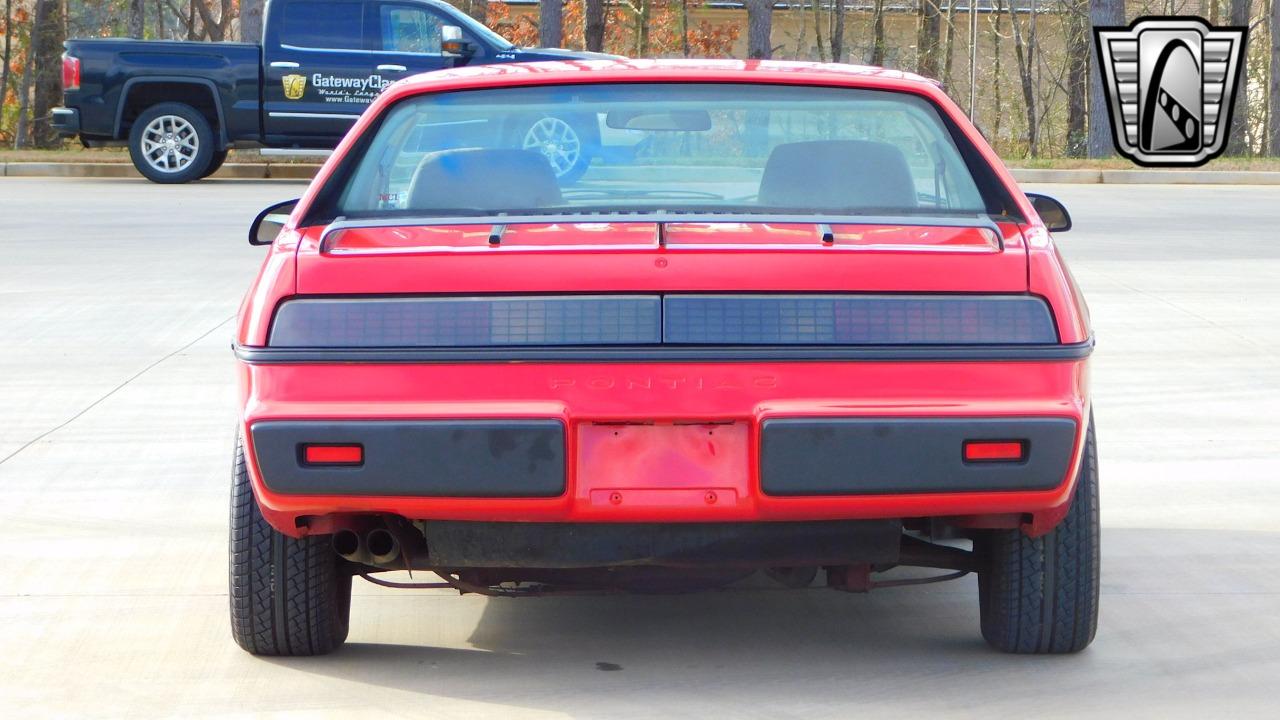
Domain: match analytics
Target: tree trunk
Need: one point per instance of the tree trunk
(1102, 13)
(800, 44)
(877, 34)
(550, 23)
(929, 28)
(137, 14)
(1077, 26)
(477, 9)
(817, 31)
(837, 32)
(50, 32)
(948, 44)
(759, 29)
(643, 11)
(593, 25)
(251, 21)
(1023, 53)
(997, 34)
(1238, 141)
(1273, 94)
(8, 52)
(20, 139)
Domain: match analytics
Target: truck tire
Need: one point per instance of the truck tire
(171, 143)
(289, 596)
(563, 142)
(1040, 595)
(219, 157)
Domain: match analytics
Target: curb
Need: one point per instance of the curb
(300, 171)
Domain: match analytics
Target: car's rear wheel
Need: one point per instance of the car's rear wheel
(171, 143)
(1040, 595)
(289, 596)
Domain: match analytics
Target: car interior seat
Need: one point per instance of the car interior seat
(483, 179)
(843, 175)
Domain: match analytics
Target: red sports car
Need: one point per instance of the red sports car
(805, 325)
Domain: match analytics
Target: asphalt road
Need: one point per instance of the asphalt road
(116, 415)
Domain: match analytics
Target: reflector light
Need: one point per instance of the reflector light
(332, 454)
(994, 450)
(70, 73)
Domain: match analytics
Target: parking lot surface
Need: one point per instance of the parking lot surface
(116, 422)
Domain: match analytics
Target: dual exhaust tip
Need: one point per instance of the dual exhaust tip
(375, 547)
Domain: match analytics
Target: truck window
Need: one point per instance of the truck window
(323, 25)
(409, 30)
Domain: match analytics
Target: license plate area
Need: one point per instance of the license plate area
(677, 465)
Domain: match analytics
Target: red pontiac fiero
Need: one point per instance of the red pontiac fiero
(794, 319)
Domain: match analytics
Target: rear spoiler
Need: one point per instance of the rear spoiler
(499, 222)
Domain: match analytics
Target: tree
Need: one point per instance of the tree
(837, 31)
(877, 33)
(1238, 140)
(551, 23)
(1102, 13)
(1024, 52)
(593, 25)
(1077, 27)
(1273, 93)
(928, 32)
(817, 30)
(251, 21)
(49, 31)
(759, 29)
(8, 52)
(477, 9)
(137, 14)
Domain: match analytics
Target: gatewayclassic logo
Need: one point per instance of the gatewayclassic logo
(295, 86)
(1170, 82)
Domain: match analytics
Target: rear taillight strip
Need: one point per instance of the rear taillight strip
(672, 320)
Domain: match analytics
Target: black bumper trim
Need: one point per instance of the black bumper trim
(462, 544)
(666, 353)
(876, 456)
(417, 458)
(65, 121)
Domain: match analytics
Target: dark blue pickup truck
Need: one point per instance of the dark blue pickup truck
(181, 105)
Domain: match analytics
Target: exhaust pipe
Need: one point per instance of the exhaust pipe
(382, 545)
(347, 544)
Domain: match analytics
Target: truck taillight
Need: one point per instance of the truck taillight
(70, 72)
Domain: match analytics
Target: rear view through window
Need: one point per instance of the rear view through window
(673, 148)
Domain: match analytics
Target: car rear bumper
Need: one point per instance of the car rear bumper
(65, 121)
(663, 442)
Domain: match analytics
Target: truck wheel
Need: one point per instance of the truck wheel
(288, 596)
(171, 143)
(1040, 595)
(563, 145)
(215, 164)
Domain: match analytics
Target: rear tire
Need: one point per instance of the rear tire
(215, 164)
(1040, 595)
(171, 143)
(289, 596)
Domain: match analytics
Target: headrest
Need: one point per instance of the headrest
(849, 175)
(483, 179)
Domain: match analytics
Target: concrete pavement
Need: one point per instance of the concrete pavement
(116, 412)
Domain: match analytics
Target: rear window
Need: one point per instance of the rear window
(585, 150)
(323, 25)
